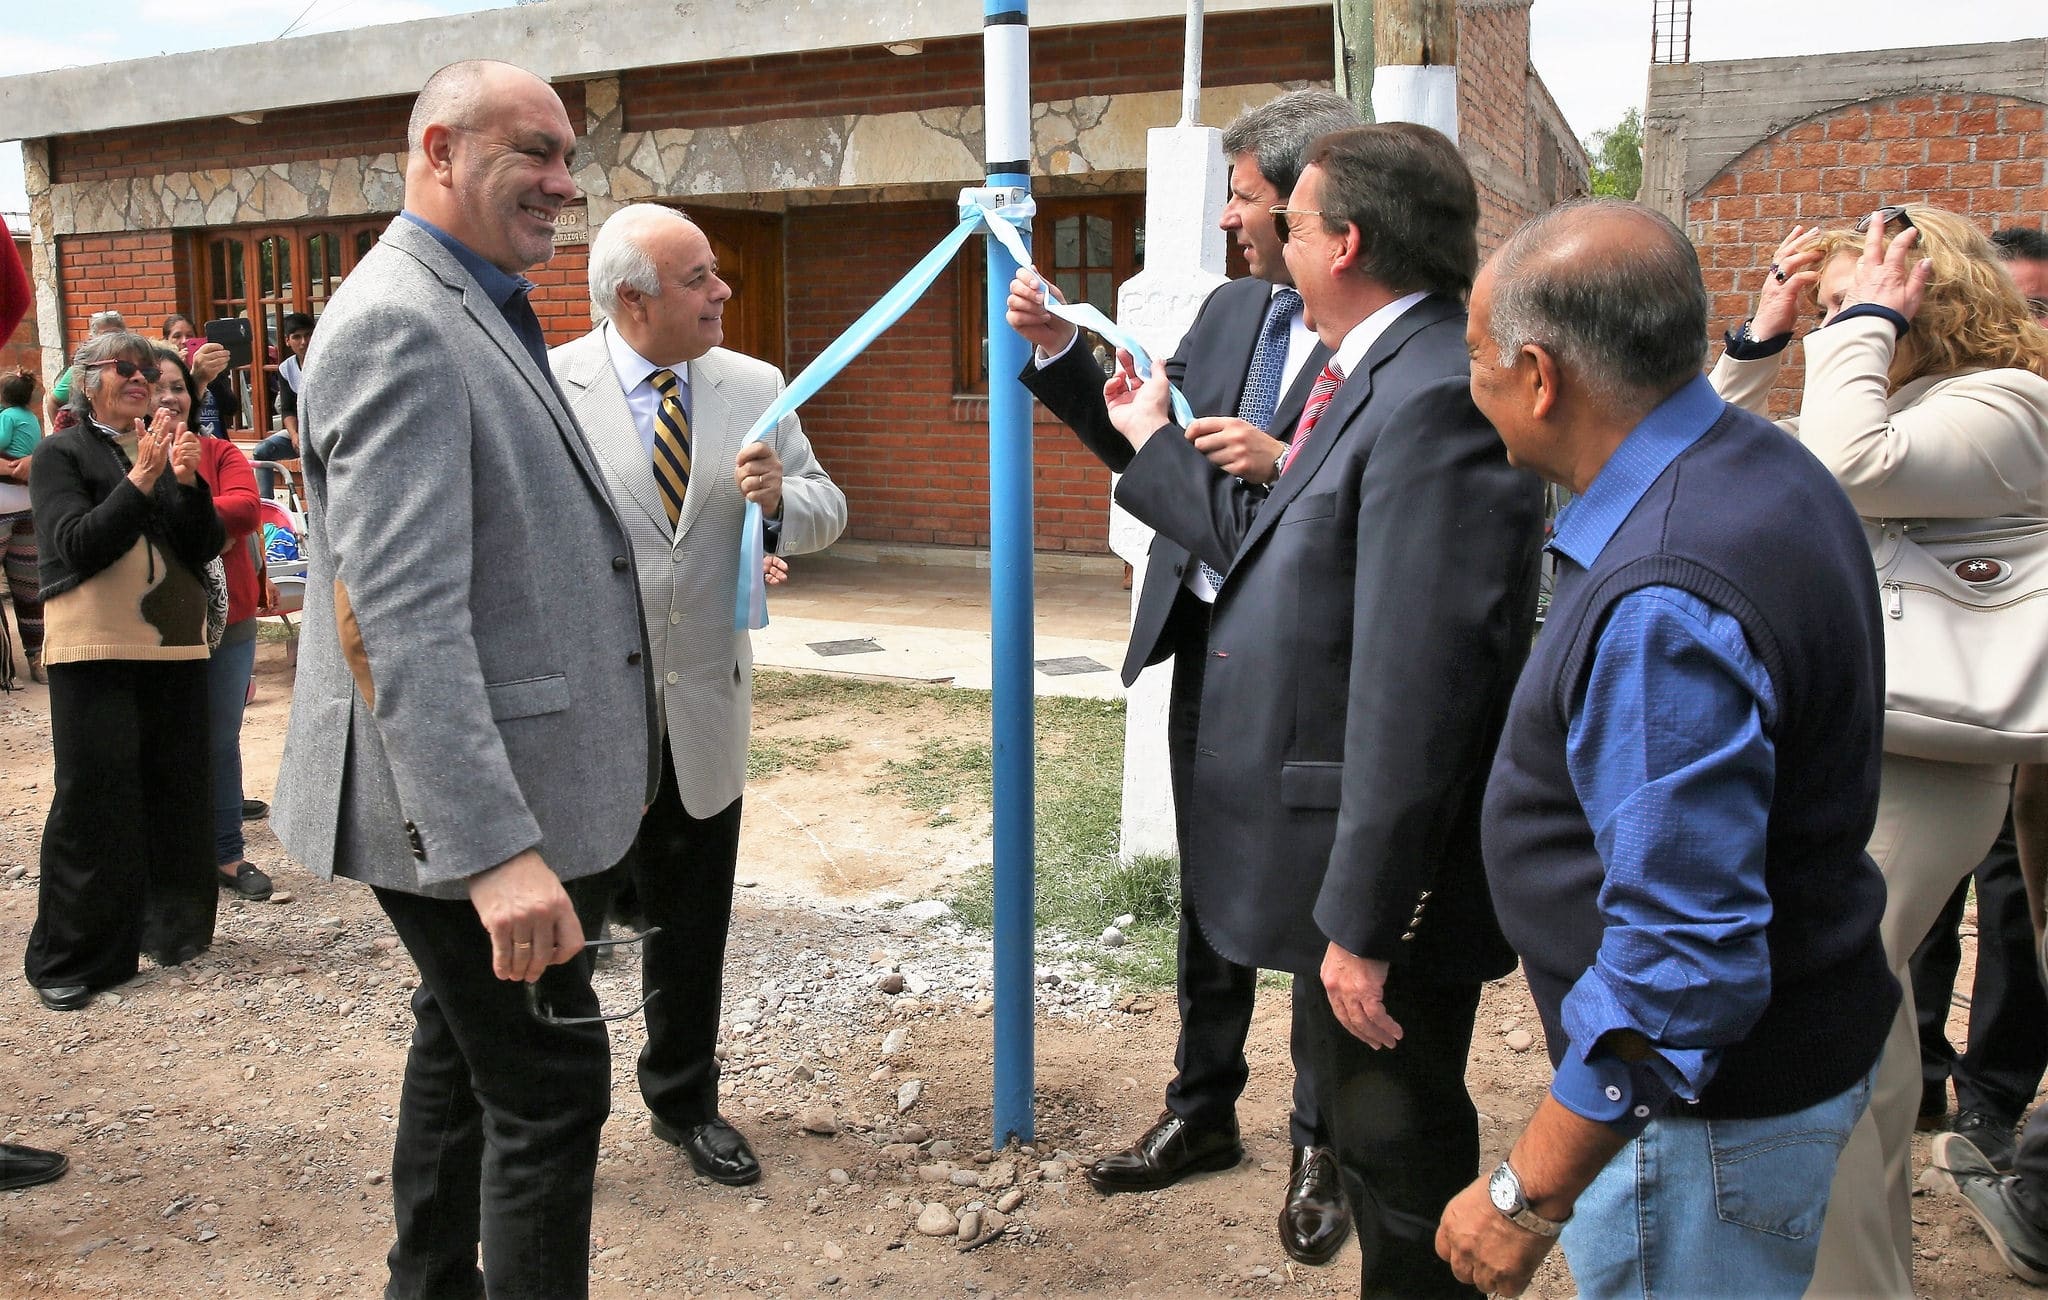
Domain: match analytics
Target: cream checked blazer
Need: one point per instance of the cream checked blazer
(703, 668)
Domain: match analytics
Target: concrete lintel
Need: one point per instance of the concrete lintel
(1702, 116)
(565, 40)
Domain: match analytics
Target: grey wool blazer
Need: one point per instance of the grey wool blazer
(703, 669)
(473, 677)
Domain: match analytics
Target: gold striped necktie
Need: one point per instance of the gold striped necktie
(671, 444)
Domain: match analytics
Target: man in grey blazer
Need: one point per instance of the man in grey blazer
(665, 408)
(472, 722)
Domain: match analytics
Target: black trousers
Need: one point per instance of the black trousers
(1216, 994)
(2006, 1051)
(127, 852)
(1404, 1127)
(498, 1121)
(681, 870)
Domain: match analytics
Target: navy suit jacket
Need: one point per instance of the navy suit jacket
(1376, 609)
(1209, 369)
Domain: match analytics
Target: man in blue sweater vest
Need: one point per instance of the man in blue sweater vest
(1675, 822)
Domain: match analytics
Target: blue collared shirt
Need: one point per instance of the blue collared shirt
(507, 292)
(1669, 750)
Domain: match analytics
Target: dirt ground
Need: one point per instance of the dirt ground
(229, 1122)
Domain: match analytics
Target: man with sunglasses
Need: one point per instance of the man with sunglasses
(1249, 354)
(471, 733)
(1377, 605)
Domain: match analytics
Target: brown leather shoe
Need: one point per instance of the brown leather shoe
(1167, 1152)
(1314, 1219)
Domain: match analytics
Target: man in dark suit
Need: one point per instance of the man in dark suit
(1249, 353)
(1377, 607)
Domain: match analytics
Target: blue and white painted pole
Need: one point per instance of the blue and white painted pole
(1006, 58)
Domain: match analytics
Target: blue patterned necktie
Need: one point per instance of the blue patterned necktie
(1262, 381)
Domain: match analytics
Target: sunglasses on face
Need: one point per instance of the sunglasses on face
(1281, 212)
(545, 1013)
(1889, 213)
(129, 369)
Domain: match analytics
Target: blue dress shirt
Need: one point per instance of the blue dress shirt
(507, 292)
(1669, 748)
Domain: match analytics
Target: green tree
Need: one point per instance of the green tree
(1616, 155)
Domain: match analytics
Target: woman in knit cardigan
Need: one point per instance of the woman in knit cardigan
(1926, 394)
(125, 527)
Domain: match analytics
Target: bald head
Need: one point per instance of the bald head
(490, 151)
(454, 97)
(1611, 290)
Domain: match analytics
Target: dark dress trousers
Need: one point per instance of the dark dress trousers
(1216, 995)
(1377, 608)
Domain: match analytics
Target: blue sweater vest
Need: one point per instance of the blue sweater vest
(1747, 520)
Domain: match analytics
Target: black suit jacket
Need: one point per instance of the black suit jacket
(1209, 369)
(1377, 608)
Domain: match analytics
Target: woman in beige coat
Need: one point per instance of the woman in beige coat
(1926, 394)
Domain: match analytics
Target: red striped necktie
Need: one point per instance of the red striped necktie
(1318, 401)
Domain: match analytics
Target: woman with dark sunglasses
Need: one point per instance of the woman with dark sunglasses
(1926, 394)
(125, 527)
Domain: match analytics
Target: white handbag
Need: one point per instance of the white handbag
(1965, 637)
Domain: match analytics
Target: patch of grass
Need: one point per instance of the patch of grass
(772, 755)
(1082, 885)
(946, 771)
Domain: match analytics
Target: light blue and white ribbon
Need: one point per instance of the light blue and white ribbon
(750, 606)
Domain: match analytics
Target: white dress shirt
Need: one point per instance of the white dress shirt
(636, 381)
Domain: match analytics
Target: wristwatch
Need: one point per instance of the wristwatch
(1504, 1189)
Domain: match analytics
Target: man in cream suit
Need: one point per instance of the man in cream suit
(472, 730)
(665, 408)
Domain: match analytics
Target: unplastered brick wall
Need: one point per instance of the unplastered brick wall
(308, 134)
(561, 294)
(128, 273)
(1066, 63)
(912, 458)
(1982, 155)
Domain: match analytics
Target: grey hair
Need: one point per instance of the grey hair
(1629, 322)
(618, 259)
(87, 374)
(106, 322)
(1277, 132)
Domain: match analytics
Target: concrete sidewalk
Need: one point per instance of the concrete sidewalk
(923, 616)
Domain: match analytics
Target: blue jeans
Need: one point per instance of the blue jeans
(278, 446)
(1698, 1207)
(227, 692)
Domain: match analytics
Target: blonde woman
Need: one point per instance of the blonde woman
(1926, 395)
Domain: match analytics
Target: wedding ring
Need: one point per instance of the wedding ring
(517, 946)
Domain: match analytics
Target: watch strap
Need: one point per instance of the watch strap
(1523, 1217)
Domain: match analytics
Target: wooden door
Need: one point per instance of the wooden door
(748, 246)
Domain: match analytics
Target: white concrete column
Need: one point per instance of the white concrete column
(1185, 177)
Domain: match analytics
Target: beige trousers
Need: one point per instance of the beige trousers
(1935, 822)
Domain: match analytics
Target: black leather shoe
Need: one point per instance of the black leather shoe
(27, 1166)
(246, 882)
(716, 1149)
(64, 997)
(254, 810)
(1314, 1219)
(1166, 1153)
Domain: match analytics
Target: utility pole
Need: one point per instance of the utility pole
(1355, 57)
(1415, 45)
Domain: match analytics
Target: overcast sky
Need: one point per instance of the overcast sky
(1593, 54)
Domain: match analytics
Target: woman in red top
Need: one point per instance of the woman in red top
(226, 470)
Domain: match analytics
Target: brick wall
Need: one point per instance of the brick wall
(1237, 49)
(22, 350)
(912, 459)
(128, 273)
(1493, 72)
(561, 294)
(285, 135)
(1977, 154)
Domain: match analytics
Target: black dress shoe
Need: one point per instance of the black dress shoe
(254, 810)
(64, 997)
(27, 1166)
(247, 882)
(1314, 1219)
(716, 1149)
(1167, 1152)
